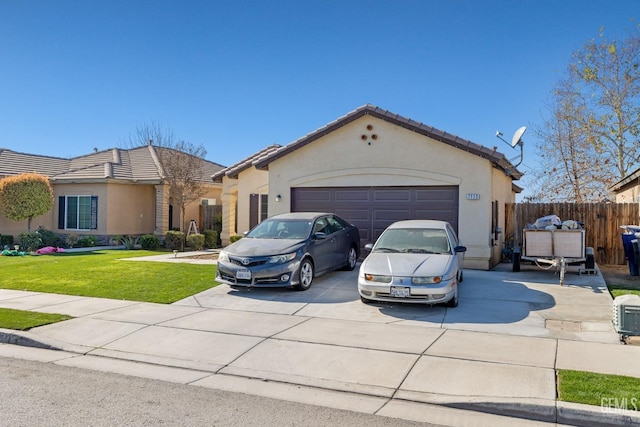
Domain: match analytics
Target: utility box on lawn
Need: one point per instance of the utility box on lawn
(626, 315)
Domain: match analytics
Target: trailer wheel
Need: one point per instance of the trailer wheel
(590, 262)
(516, 260)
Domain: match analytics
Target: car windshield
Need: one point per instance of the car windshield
(281, 229)
(413, 240)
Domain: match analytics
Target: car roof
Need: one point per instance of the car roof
(300, 215)
(419, 223)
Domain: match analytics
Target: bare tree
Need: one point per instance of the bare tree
(590, 136)
(571, 169)
(609, 71)
(182, 164)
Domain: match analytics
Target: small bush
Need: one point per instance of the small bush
(87, 241)
(196, 241)
(115, 240)
(30, 241)
(129, 242)
(174, 240)
(71, 239)
(48, 237)
(234, 238)
(211, 239)
(6, 240)
(149, 242)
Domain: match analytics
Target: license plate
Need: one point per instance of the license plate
(400, 291)
(243, 275)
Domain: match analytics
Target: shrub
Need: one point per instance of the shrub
(71, 240)
(211, 239)
(174, 240)
(129, 242)
(30, 241)
(49, 238)
(86, 241)
(149, 242)
(115, 240)
(6, 240)
(234, 238)
(196, 241)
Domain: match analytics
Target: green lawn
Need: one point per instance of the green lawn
(25, 320)
(607, 391)
(106, 274)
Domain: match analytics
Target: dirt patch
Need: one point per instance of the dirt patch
(619, 275)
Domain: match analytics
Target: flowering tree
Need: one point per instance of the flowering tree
(25, 196)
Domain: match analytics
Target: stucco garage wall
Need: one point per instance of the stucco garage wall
(389, 155)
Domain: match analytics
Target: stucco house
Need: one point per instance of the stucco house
(627, 190)
(374, 167)
(106, 193)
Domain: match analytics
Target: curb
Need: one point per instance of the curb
(565, 413)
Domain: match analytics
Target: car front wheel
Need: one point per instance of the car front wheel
(306, 275)
(453, 302)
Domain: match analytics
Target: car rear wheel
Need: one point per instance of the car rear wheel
(306, 275)
(352, 259)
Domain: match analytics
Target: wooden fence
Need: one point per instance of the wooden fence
(602, 222)
(210, 218)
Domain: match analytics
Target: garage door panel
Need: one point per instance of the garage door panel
(352, 195)
(373, 209)
(392, 196)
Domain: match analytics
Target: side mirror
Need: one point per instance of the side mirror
(245, 233)
(460, 249)
(319, 236)
(368, 247)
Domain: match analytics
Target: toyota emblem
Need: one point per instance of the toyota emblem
(245, 261)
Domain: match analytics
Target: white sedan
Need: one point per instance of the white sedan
(415, 261)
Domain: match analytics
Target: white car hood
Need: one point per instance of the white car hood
(407, 264)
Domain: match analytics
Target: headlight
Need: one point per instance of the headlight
(377, 278)
(426, 280)
(222, 256)
(280, 259)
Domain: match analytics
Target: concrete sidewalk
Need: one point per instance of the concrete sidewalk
(325, 347)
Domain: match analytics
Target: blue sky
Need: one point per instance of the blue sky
(236, 76)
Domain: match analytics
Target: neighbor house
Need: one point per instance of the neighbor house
(108, 193)
(627, 190)
(373, 167)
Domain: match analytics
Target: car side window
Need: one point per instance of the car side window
(335, 224)
(322, 226)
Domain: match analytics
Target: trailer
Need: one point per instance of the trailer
(554, 248)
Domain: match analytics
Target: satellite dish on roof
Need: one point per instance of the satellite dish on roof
(517, 137)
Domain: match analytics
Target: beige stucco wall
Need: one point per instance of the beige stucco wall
(630, 194)
(14, 228)
(396, 157)
(235, 200)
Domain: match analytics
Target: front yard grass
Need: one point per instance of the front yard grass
(606, 391)
(105, 274)
(25, 320)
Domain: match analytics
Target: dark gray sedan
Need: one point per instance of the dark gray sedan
(290, 250)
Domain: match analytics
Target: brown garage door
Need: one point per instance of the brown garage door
(372, 209)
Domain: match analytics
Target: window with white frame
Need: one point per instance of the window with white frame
(78, 212)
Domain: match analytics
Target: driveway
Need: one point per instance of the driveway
(497, 352)
(528, 303)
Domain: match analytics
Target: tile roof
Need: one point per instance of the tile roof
(498, 159)
(234, 170)
(138, 164)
